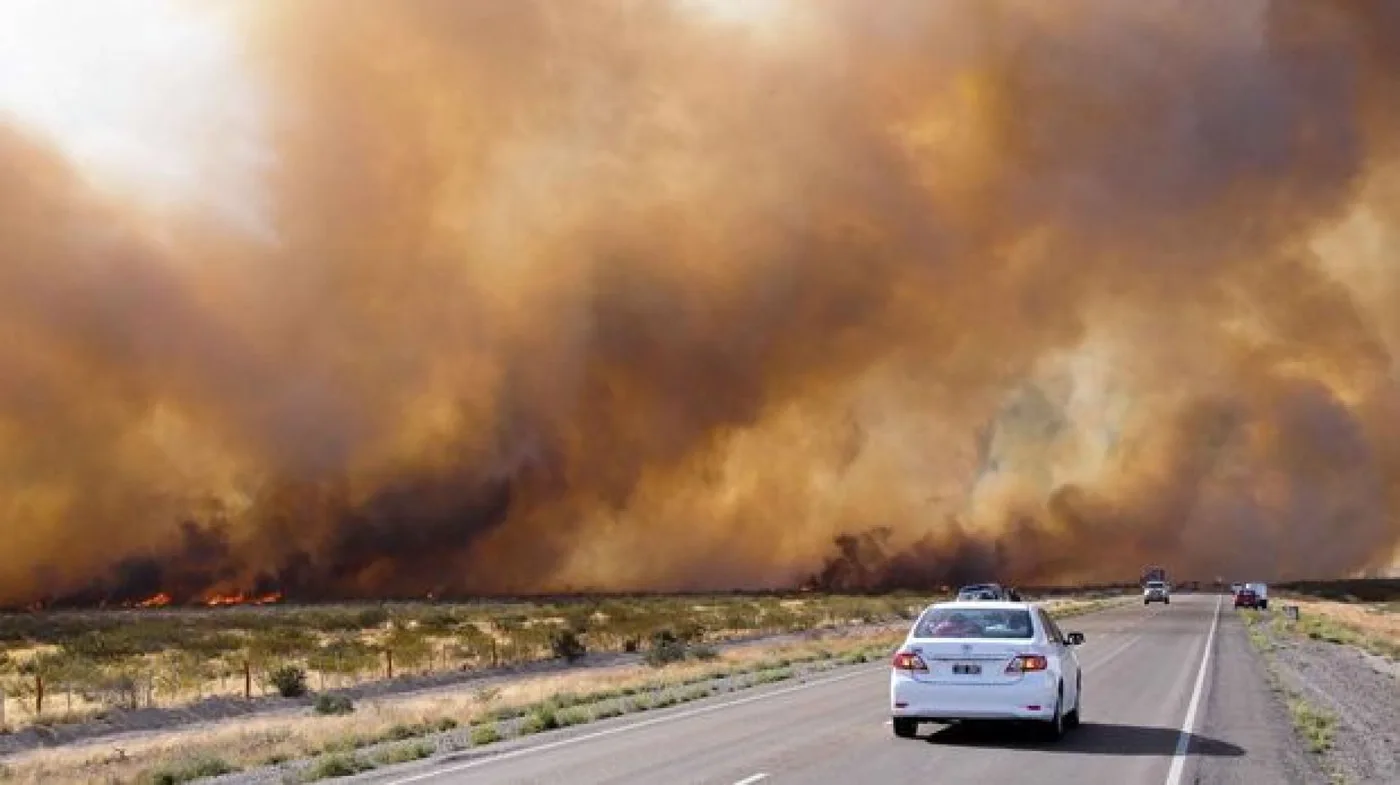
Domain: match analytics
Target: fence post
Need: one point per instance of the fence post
(389, 662)
(247, 681)
(38, 694)
(3, 699)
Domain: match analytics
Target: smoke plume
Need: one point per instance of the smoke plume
(620, 294)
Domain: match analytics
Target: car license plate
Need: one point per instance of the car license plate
(966, 668)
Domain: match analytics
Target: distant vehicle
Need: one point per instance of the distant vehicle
(1153, 573)
(1252, 595)
(982, 591)
(1156, 591)
(1235, 588)
(982, 660)
(1261, 594)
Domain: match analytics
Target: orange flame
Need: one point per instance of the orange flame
(241, 598)
(158, 601)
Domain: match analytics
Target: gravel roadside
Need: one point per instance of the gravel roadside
(1344, 702)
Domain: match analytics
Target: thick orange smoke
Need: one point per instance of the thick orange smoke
(623, 295)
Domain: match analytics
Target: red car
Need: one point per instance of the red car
(1246, 598)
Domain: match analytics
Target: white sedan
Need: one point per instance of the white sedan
(986, 661)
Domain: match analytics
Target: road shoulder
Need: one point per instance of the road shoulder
(1243, 709)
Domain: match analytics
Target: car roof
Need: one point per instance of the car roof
(984, 605)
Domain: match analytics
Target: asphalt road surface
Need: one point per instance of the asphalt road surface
(1172, 695)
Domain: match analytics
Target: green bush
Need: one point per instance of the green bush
(333, 704)
(405, 753)
(186, 771)
(572, 717)
(486, 734)
(289, 680)
(663, 649)
(336, 766)
(541, 719)
(565, 645)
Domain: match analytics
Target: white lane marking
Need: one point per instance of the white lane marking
(1104, 660)
(752, 780)
(680, 715)
(1188, 726)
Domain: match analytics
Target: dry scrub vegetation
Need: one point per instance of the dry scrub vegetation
(1374, 627)
(336, 738)
(73, 667)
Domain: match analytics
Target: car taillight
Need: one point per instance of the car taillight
(909, 661)
(1027, 663)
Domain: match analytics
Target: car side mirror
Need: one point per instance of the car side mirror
(1075, 638)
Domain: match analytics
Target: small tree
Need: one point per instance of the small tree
(476, 645)
(664, 648)
(272, 647)
(178, 672)
(345, 655)
(409, 647)
(289, 680)
(120, 684)
(565, 645)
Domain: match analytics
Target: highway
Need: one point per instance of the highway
(1172, 694)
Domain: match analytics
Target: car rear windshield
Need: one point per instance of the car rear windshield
(1156, 585)
(974, 623)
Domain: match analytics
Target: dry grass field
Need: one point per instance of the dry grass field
(68, 667)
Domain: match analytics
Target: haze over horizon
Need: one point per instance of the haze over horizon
(352, 299)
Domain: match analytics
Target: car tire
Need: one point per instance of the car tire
(1167, 601)
(1146, 602)
(1072, 719)
(1263, 605)
(905, 728)
(1053, 729)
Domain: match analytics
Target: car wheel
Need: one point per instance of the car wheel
(1144, 602)
(1073, 718)
(1054, 728)
(1264, 605)
(1167, 601)
(905, 728)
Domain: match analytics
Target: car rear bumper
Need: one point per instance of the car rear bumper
(1032, 698)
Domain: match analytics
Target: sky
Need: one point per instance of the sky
(139, 94)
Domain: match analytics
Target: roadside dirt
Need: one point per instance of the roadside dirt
(1346, 700)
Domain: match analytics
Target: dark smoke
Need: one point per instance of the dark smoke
(621, 295)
